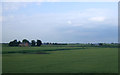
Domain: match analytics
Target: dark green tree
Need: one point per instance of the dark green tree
(33, 43)
(100, 44)
(19, 42)
(13, 43)
(39, 42)
(25, 41)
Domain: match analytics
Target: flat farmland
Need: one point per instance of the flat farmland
(59, 59)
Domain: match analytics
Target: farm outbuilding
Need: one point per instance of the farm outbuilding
(24, 44)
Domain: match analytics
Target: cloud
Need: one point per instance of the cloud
(32, 1)
(13, 6)
(86, 19)
(97, 19)
(60, 0)
(0, 22)
(69, 22)
(0, 13)
(39, 3)
(76, 24)
(0, 18)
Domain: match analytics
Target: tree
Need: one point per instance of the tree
(39, 42)
(100, 44)
(25, 41)
(13, 43)
(33, 43)
(19, 42)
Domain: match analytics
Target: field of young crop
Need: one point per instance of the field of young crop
(60, 59)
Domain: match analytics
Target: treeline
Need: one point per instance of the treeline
(25, 42)
(49, 43)
(111, 45)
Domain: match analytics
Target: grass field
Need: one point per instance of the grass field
(60, 59)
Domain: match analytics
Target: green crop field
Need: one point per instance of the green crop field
(60, 59)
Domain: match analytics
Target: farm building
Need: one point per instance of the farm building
(24, 44)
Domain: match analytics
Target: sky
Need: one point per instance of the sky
(59, 0)
(63, 22)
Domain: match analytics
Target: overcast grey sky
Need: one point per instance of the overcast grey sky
(78, 22)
